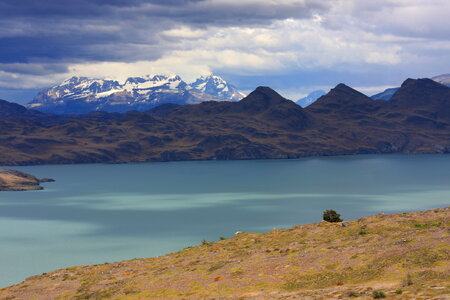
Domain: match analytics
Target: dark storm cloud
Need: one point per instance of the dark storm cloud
(68, 31)
(34, 69)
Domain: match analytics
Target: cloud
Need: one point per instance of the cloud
(42, 42)
(33, 69)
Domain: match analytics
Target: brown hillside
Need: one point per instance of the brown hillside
(262, 125)
(403, 256)
(12, 180)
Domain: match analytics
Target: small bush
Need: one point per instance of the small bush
(399, 291)
(205, 242)
(222, 238)
(378, 294)
(352, 294)
(331, 216)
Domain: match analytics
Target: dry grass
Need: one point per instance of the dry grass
(11, 180)
(402, 256)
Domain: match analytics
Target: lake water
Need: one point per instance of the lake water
(103, 213)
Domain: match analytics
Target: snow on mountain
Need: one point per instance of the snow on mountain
(310, 98)
(215, 85)
(78, 95)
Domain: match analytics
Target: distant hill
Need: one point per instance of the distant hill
(310, 98)
(385, 95)
(388, 93)
(262, 125)
(79, 95)
(442, 79)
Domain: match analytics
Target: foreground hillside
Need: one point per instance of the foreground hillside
(262, 125)
(401, 256)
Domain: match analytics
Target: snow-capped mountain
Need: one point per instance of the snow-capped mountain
(215, 85)
(310, 98)
(82, 94)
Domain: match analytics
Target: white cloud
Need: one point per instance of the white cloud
(349, 35)
(184, 33)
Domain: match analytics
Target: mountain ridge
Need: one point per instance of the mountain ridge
(262, 125)
(78, 95)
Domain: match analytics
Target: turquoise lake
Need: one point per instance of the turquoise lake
(98, 213)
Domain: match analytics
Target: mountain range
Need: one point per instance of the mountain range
(79, 95)
(262, 125)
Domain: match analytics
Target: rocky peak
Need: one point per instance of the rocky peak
(135, 80)
(343, 90)
(344, 102)
(421, 92)
(262, 98)
(216, 86)
(158, 78)
(174, 78)
(339, 97)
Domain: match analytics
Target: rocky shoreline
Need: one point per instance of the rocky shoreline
(12, 180)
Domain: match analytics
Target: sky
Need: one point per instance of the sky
(293, 46)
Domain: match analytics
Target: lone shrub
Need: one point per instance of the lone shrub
(331, 216)
(377, 294)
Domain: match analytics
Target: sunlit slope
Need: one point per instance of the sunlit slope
(401, 256)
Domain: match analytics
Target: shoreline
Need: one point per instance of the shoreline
(363, 255)
(16, 181)
(2, 166)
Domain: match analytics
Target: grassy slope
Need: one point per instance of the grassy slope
(408, 252)
(11, 180)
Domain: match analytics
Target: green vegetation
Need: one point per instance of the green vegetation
(331, 216)
(427, 225)
(378, 294)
